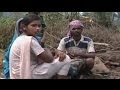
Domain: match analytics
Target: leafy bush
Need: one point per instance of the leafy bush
(6, 31)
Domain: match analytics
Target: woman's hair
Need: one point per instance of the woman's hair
(29, 18)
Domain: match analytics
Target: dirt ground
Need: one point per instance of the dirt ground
(110, 58)
(112, 61)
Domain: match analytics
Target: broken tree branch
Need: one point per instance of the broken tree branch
(105, 44)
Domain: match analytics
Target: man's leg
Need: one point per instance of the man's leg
(89, 63)
(63, 72)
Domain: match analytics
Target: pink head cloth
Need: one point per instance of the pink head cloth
(74, 24)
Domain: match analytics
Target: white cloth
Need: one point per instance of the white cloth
(20, 60)
(47, 70)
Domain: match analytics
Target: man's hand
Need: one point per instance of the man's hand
(75, 52)
(61, 55)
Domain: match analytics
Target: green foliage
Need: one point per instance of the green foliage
(6, 31)
(1, 13)
(52, 18)
(104, 18)
(56, 26)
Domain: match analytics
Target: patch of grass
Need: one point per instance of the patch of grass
(7, 26)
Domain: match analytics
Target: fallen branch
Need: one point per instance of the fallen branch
(112, 63)
(105, 44)
(95, 43)
(1, 51)
(101, 50)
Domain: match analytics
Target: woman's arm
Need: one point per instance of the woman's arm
(43, 54)
(46, 56)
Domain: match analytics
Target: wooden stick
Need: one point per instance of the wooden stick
(1, 51)
(105, 44)
(96, 43)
